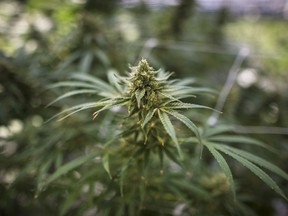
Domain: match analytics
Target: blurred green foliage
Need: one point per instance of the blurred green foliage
(42, 42)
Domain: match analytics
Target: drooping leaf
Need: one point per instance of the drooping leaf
(185, 121)
(170, 130)
(256, 159)
(256, 170)
(74, 109)
(223, 164)
(241, 140)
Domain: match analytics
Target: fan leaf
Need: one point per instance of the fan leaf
(257, 160)
(170, 130)
(223, 164)
(72, 93)
(148, 117)
(240, 140)
(186, 121)
(255, 169)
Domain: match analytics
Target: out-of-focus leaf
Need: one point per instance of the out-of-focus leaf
(105, 161)
(69, 166)
(86, 62)
(218, 129)
(72, 93)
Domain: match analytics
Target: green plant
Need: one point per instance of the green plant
(141, 152)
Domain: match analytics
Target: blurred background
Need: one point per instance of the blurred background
(238, 47)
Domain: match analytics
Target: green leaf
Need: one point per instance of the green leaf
(103, 57)
(185, 121)
(113, 78)
(75, 109)
(139, 94)
(240, 140)
(70, 166)
(105, 161)
(190, 186)
(255, 169)
(173, 99)
(72, 93)
(116, 102)
(86, 62)
(74, 84)
(70, 59)
(170, 130)
(161, 158)
(81, 107)
(69, 200)
(189, 90)
(187, 106)
(97, 82)
(223, 164)
(257, 160)
(148, 117)
(171, 156)
(218, 129)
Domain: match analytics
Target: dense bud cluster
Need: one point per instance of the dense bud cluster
(144, 86)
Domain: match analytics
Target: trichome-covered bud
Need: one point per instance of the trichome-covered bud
(143, 85)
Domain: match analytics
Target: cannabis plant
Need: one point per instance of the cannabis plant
(149, 146)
